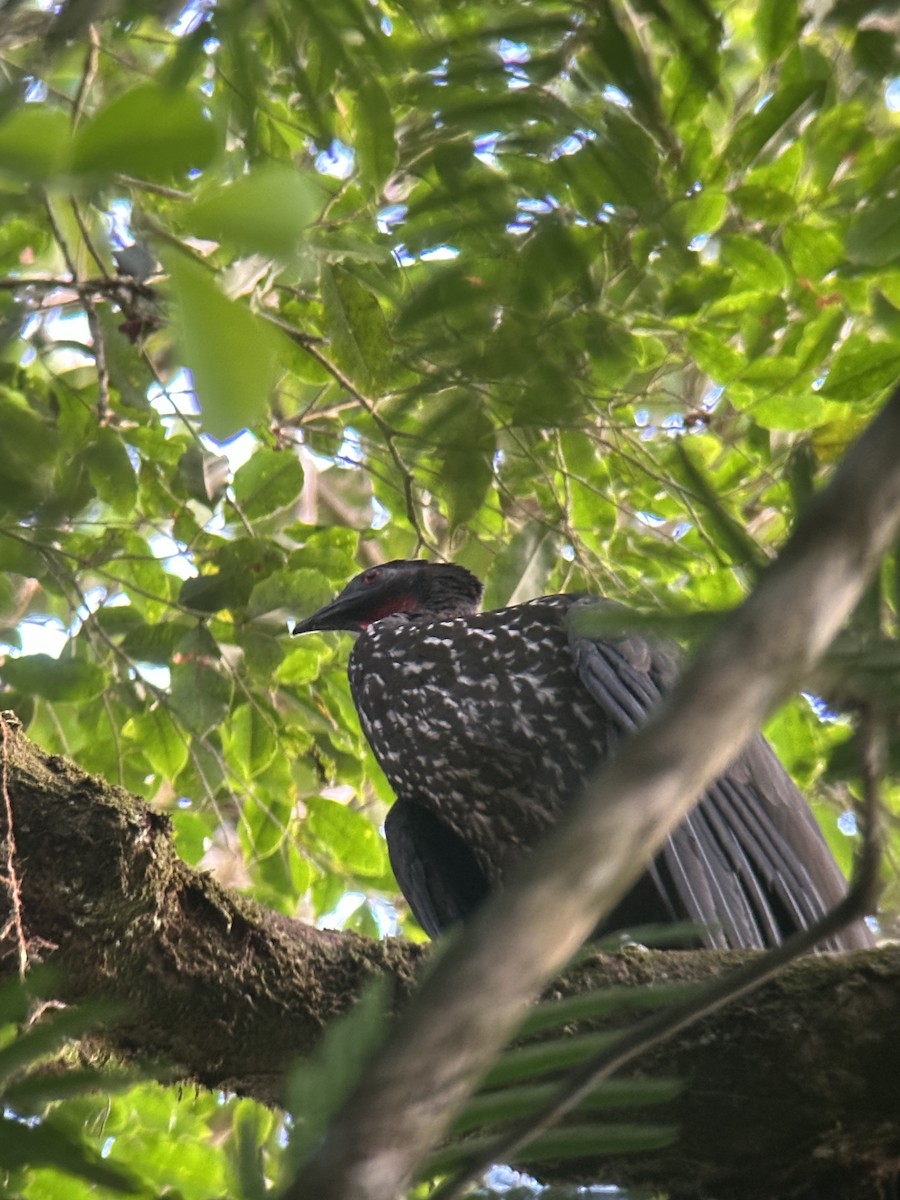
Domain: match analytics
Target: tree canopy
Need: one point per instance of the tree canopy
(584, 296)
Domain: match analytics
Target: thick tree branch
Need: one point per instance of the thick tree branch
(215, 987)
(223, 992)
(471, 1003)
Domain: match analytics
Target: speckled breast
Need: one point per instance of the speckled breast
(481, 718)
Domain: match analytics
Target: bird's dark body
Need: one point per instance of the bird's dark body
(493, 752)
(485, 725)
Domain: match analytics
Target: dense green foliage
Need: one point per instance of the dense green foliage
(578, 296)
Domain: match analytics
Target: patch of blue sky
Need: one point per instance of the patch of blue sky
(528, 209)
(706, 246)
(654, 520)
(570, 144)
(35, 90)
(350, 453)
(535, 204)
(402, 256)
(821, 708)
(176, 399)
(568, 553)
(190, 17)
(173, 556)
(616, 96)
(892, 95)
(712, 396)
(41, 635)
(68, 334)
(384, 913)
(486, 148)
(440, 253)
(762, 102)
(237, 449)
(390, 218)
(511, 52)
(118, 223)
(847, 823)
(439, 73)
(381, 516)
(337, 161)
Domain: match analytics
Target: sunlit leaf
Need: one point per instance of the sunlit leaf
(266, 212)
(152, 132)
(230, 351)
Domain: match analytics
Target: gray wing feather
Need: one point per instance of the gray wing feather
(749, 863)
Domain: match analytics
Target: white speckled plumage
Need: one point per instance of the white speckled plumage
(485, 724)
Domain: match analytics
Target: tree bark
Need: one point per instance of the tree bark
(791, 1092)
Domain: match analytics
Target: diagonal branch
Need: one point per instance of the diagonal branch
(217, 990)
(472, 1001)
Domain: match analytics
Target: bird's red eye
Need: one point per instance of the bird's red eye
(372, 574)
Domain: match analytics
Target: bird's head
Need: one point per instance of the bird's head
(402, 586)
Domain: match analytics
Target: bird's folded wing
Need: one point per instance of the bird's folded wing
(434, 868)
(749, 863)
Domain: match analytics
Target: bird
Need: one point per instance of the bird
(487, 723)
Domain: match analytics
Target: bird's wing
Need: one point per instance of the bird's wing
(749, 863)
(434, 868)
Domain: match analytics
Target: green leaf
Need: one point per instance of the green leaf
(57, 679)
(713, 355)
(349, 837)
(862, 368)
(231, 352)
(791, 413)
(215, 591)
(873, 238)
(151, 132)
(504, 1104)
(775, 24)
(283, 592)
(49, 1145)
(201, 689)
(162, 742)
(813, 251)
(33, 141)
(204, 474)
(732, 534)
(317, 1086)
(111, 471)
(248, 739)
(755, 131)
(270, 480)
(754, 264)
(251, 1126)
(570, 1141)
(465, 441)
(50, 1034)
(701, 212)
(374, 143)
(265, 212)
(356, 326)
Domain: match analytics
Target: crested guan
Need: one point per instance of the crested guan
(486, 723)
